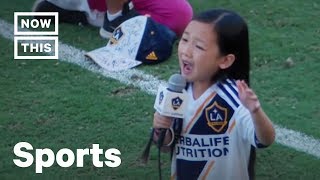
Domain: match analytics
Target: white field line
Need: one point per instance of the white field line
(149, 84)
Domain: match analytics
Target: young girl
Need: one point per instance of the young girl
(224, 118)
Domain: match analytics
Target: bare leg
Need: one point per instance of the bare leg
(115, 6)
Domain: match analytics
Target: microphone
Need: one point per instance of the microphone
(171, 100)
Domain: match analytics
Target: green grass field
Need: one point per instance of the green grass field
(54, 104)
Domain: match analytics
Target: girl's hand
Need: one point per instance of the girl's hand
(160, 121)
(247, 97)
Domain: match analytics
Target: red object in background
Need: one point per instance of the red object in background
(99, 5)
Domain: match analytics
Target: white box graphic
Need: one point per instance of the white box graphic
(24, 30)
(30, 33)
(35, 39)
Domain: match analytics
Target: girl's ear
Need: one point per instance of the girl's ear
(227, 61)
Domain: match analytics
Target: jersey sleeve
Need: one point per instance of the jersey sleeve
(247, 129)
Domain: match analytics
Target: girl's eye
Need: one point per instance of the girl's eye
(184, 39)
(200, 47)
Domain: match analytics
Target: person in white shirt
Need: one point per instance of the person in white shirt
(224, 119)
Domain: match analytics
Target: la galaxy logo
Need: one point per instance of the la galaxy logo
(116, 36)
(216, 116)
(176, 103)
(161, 97)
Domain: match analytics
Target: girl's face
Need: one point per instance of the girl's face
(198, 52)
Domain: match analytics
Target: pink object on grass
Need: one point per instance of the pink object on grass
(175, 14)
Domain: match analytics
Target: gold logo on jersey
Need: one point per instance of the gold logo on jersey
(216, 116)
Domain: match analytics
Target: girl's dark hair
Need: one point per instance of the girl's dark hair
(232, 38)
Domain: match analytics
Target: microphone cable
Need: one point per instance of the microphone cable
(160, 144)
(177, 128)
